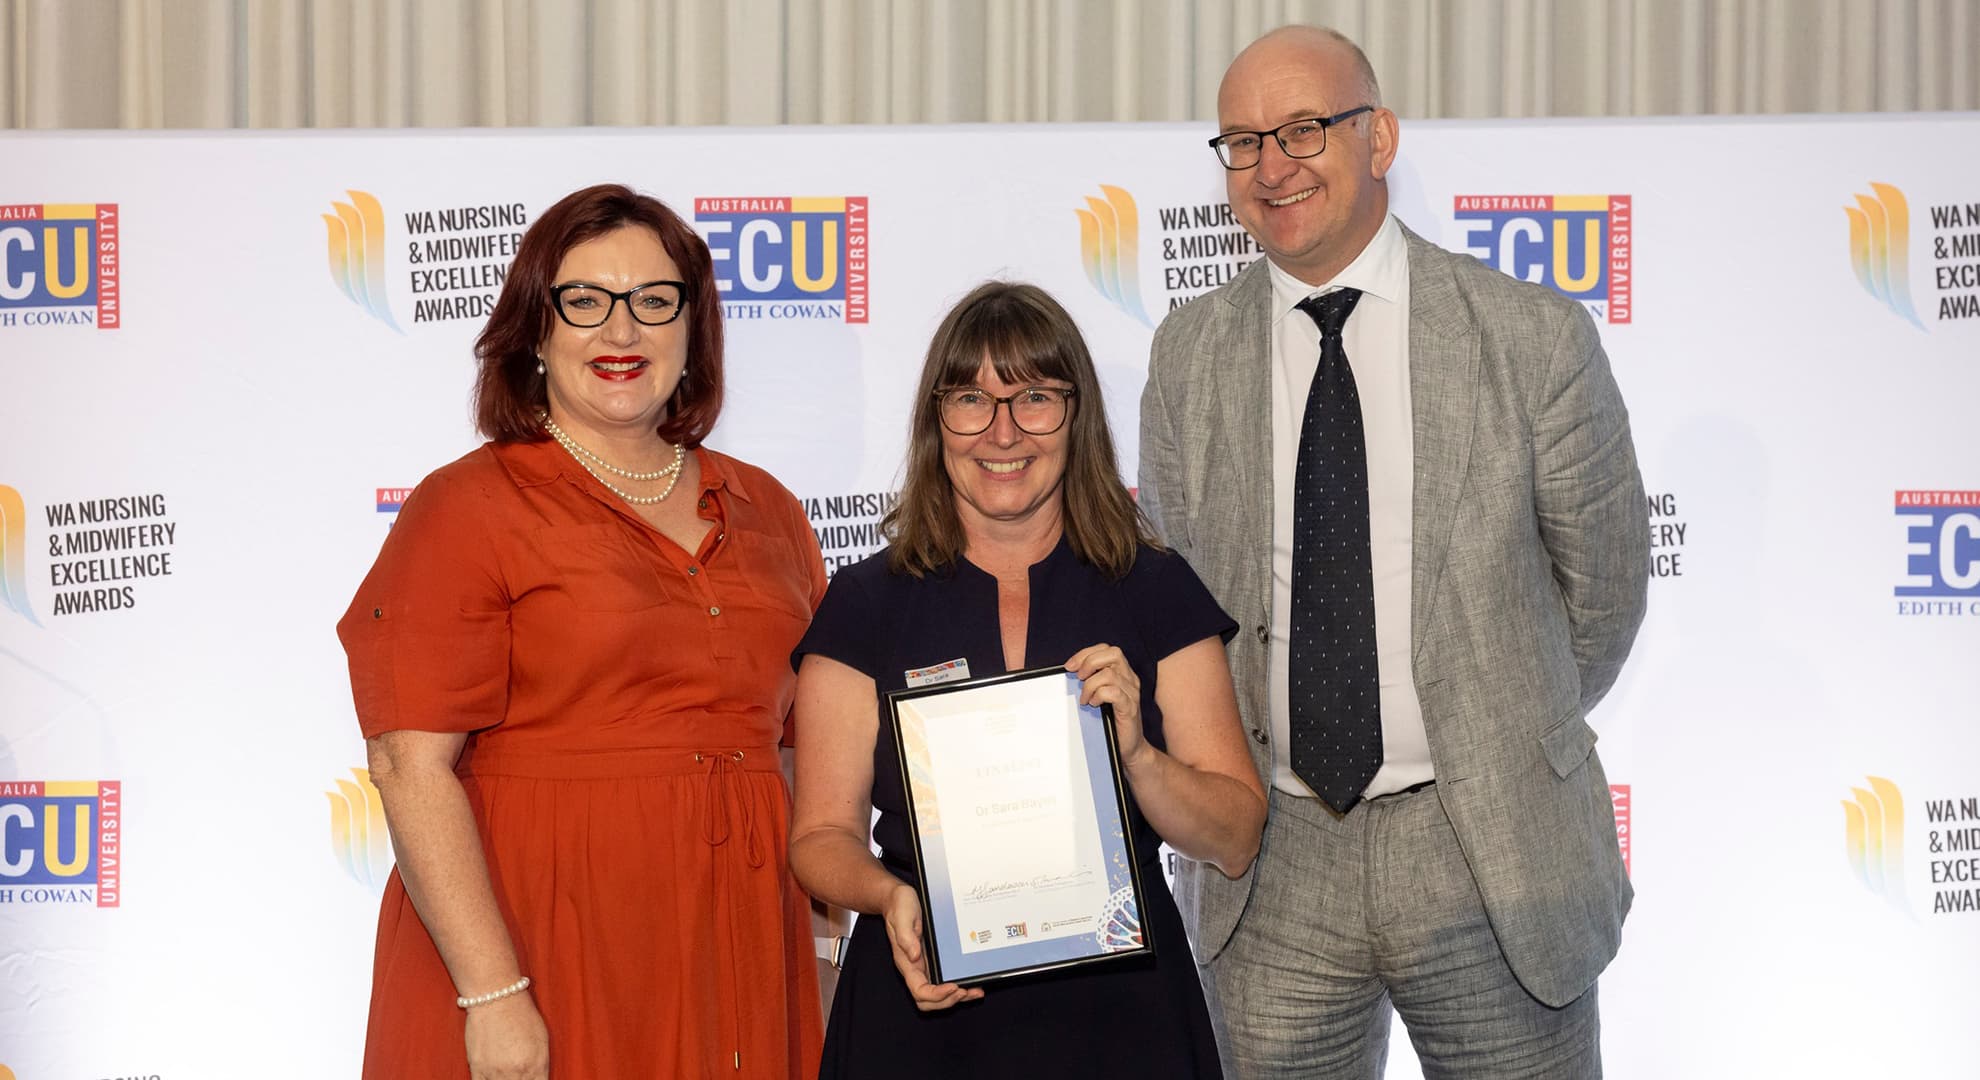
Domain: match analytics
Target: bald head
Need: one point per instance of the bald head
(1321, 47)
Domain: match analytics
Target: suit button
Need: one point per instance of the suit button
(1258, 736)
(1264, 636)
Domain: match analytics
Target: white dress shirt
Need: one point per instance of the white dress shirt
(1376, 338)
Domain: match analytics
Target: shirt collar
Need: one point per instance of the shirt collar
(719, 472)
(1378, 272)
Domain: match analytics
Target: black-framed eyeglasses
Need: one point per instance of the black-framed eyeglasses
(1298, 138)
(1036, 410)
(584, 306)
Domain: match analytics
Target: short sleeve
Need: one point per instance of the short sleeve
(1172, 605)
(844, 625)
(427, 635)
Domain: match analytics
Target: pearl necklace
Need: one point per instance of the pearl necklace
(576, 450)
(580, 454)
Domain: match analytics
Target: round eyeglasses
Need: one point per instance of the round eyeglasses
(1036, 410)
(1298, 138)
(584, 306)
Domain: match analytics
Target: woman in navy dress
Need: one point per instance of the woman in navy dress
(1015, 545)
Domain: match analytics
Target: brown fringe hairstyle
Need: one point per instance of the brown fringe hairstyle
(510, 396)
(1026, 336)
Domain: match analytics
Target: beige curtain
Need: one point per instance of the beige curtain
(451, 63)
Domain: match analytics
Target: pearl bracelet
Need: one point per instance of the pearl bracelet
(516, 987)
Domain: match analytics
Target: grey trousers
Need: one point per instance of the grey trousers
(1354, 916)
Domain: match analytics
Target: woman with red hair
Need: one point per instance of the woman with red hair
(570, 667)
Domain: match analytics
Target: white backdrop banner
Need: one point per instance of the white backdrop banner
(226, 358)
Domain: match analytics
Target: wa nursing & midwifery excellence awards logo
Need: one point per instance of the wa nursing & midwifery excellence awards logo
(358, 837)
(848, 524)
(356, 238)
(13, 555)
(1110, 250)
(60, 265)
(455, 261)
(789, 256)
(1577, 245)
(102, 554)
(1874, 841)
(61, 842)
(1201, 246)
(1880, 253)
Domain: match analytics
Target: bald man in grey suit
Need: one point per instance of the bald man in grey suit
(1470, 880)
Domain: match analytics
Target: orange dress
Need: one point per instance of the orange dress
(624, 701)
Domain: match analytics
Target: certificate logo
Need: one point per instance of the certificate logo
(1110, 250)
(60, 842)
(788, 256)
(1577, 245)
(358, 837)
(981, 937)
(1015, 930)
(60, 265)
(1941, 551)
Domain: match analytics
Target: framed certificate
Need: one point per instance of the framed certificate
(1020, 825)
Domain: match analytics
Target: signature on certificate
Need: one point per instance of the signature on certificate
(991, 890)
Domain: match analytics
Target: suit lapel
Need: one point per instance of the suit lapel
(1443, 373)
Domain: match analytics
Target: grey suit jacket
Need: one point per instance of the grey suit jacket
(1529, 569)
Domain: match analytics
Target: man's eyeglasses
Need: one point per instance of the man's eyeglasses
(1036, 410)
(1298, 138)
(655, 303)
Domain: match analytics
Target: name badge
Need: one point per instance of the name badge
(952, 671)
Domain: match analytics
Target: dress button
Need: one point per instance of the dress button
(714, 611)
(378, 613)
(1264, 636)
(1258, 736)
(693, 570)
(702, 505)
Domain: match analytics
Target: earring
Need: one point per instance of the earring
(539, 367)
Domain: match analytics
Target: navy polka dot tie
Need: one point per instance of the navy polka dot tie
(1331, 679)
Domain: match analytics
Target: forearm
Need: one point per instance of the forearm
(1204, 815)
(837, 867)
(440, 860)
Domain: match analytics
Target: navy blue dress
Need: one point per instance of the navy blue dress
(1143, 1017)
